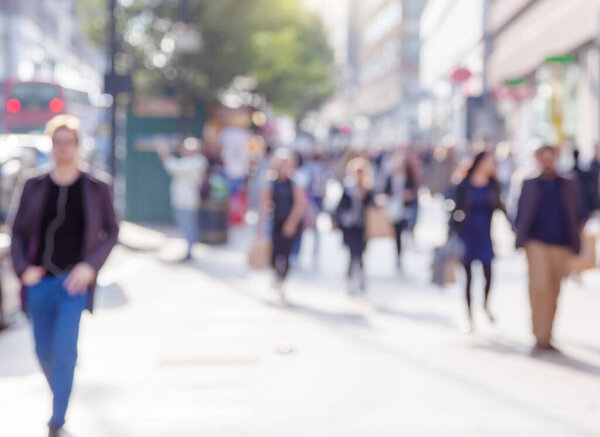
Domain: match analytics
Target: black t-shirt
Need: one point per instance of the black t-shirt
(62, 228)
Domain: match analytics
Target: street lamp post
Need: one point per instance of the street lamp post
(112, 84)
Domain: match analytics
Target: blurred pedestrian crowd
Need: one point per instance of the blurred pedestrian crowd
(232, 177)
(550, 199)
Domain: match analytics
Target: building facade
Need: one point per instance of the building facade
(537, 61)
(545, 66)
(42, 39)
(452, 35)
(387, 86)
(336, 112)
(377, 51)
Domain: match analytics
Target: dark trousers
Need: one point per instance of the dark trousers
(487, 272)
(355, 240)
(399, 228)
(55, 317)
(282, 249)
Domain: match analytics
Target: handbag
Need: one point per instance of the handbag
(310, 215)
(454, 247)
(443, 267)
(378, 224)
(259, 256)
(587, 258)
(395, 209)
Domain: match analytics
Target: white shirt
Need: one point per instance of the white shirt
(234, 142)
(187, 174)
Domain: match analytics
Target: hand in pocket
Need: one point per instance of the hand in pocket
(32, 275)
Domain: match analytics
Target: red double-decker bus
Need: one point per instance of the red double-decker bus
(28, 106)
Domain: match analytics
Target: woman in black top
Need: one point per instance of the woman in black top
(284, 201)
(350, 217)
(401, 188)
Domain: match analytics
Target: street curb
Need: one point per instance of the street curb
(140, 238)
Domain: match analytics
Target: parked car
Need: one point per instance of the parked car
(19, 153)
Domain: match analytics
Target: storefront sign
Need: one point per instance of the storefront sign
(157, 107)
(562, 59)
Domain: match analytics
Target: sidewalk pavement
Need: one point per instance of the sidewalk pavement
(205, 348)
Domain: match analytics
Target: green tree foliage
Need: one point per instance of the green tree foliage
(292, 65)
(278, 42)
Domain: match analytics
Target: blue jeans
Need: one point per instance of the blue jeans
(187, 220)
(55, 317)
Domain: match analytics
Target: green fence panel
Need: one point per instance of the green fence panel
(147, 198)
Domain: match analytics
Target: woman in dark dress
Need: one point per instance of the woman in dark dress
(476, 199)
(350, 217)
(284, 202)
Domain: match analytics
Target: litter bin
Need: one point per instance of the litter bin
(213, 221)
(213, 210)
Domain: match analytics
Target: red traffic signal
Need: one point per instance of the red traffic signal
(56, 105)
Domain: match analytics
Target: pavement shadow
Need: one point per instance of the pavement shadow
(96, 396)
(501, 347)
(17, 357)
(331, 317)
(563, 360)
(110, 296)
(418, 316)
(502, 398)
(215, 268)
(553, 357)
(140, 237)
(588, 347)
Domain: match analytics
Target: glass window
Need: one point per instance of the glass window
(383, 22)
(34, 95)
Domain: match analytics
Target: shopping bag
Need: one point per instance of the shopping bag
(455, 247)
(443, 268)
(438, 267)
(587, 257)
(378, 224)
(259, 256)
(450, 271)
(311, 214)
(395, 209)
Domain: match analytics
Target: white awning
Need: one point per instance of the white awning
(549, 28)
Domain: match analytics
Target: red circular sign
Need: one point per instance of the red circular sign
(460, 75)
(13, 106)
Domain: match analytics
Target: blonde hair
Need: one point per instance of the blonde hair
(64, 121)
(282, 155)
(356, 165)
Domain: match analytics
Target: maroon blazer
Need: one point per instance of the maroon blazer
(101, 227)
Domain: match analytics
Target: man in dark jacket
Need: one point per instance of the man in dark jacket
(547, 226)
(595, 180)
(62, 233)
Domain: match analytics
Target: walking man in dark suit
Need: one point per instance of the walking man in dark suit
(547, 226)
